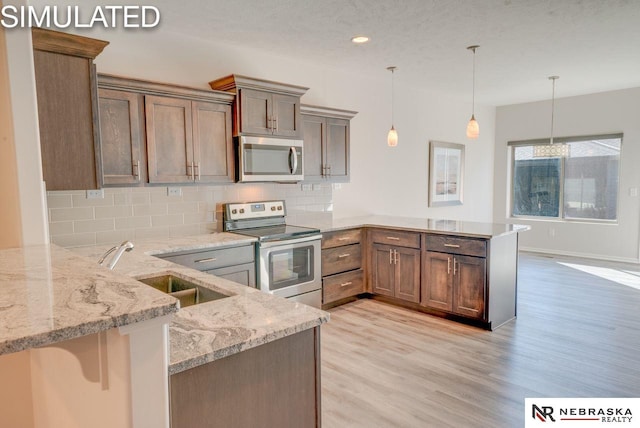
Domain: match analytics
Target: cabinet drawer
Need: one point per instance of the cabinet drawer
(456, 245)
(341, 259)
(341, 237)
(394, 237)
(213, 259)
(343, 285)
(244, 274)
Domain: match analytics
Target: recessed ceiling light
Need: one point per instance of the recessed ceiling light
(359, 39)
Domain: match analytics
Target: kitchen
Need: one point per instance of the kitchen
(417, 117)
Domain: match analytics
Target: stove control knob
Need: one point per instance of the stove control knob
(234, 211)
(279, 207)
(273, 208)
(241, 210)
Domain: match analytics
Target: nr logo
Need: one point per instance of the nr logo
(543, 413)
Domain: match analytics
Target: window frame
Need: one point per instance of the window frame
(511, 145)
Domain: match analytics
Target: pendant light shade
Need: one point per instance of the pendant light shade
(473, 129)
(392, 136)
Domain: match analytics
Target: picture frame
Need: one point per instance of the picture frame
(446, 173)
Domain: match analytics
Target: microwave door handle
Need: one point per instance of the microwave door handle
(294, 154)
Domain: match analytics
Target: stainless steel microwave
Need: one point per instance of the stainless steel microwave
(269, 159)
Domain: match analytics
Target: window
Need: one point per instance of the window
(576, 179)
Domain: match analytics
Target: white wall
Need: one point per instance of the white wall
(602, 113)
(383, 180)
(26, 135)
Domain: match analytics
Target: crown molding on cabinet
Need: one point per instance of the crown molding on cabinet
(234, 81)
(327, 112)
(108, 81)
(67, 44)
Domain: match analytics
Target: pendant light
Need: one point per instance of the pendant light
(473, 129)
(551, 150)
(392, 137)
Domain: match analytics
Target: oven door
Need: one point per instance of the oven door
(269, 159)
(290, 267)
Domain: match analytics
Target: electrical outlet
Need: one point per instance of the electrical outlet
(552, 232)
(317, 187)
(306, 187)
(633, 192)
(95, 194)
(337, 186)
(174, 191)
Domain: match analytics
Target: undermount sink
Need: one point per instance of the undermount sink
(186, 291)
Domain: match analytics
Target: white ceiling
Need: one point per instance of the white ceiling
(593, 45)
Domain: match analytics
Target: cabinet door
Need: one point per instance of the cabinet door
(383, 270)
(66, 92)
(121, 138)
(244, 274)
(255, 112)
(407, 281)
(313, 128)
(285, 110)
(169, 139)
(438, 285)
(212, 143)
(469, 286)
(337, 149)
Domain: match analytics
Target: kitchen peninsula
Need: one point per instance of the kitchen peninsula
(204, 340)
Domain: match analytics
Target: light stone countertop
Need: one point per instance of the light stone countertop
(49, 294)
(213, 330)
(326, 223)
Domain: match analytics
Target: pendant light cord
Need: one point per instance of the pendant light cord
(553, 102)
(473, 91)
(392, 95)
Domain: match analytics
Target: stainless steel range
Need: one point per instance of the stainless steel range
(288, 257)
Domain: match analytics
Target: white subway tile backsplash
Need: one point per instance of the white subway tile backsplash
(114, 211)
(75, 240)
(133, 222)
(82, 201)
(184, 207)
(114, 236)
(166, 220)
(67, 214)
(147, 212)
(151, 209)
(59, 201)
(61, 228)
(86, 226)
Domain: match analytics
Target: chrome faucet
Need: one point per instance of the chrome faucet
(125, 246)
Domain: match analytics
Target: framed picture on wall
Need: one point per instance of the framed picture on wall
(446, 171)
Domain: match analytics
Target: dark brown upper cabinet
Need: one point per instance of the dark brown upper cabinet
(263, 107)
(326, 133)
(164, 134)
(67, 108)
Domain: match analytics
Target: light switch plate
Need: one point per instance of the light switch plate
(174, 191)
(337, 186)
(633, 192)
(95, 194)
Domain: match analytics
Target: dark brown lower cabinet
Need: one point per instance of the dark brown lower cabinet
(273, 385)
(395, 272)
(455, 283)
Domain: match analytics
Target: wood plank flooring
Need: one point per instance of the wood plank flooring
(577, 335)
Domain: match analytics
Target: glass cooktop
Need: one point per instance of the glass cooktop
(278, 233)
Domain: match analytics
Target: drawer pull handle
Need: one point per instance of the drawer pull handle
(393, 238)
(346, 283)
(452, 245)
(344, 238)
(210, 259)
(342, 256)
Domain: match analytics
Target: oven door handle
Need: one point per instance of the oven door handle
(281, 242)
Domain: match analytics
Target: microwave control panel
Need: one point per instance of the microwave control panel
(254, 210)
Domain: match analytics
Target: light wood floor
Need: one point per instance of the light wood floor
(577, 335)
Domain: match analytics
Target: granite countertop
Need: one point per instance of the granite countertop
(50, 294)
(213, 330)
(326, 223)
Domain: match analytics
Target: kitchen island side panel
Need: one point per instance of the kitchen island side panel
(502, 279)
